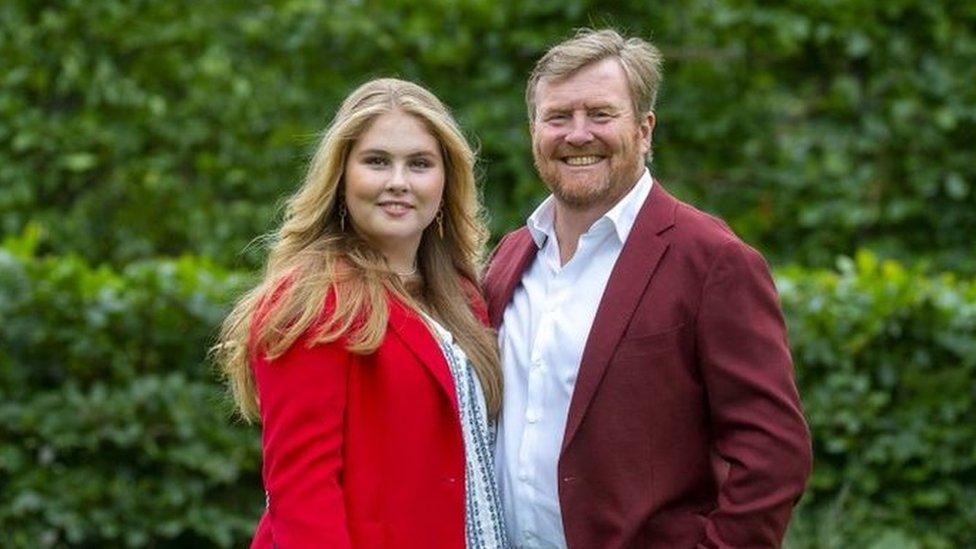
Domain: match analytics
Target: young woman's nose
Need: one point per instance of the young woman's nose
(397, 182)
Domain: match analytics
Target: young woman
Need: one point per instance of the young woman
(364, 351)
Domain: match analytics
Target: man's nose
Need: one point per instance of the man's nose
(579, 130)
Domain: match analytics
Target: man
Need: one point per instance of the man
(649, 395)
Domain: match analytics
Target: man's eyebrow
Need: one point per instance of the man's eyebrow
(547, 109)
(603, 107)
(589, 108)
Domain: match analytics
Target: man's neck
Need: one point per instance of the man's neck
(571, 223)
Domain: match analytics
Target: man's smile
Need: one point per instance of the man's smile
(582, 160)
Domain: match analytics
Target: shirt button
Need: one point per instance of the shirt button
(531, 418)
(523, 475)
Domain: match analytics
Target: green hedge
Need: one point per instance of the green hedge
(886, 363)
(131, 128)
(114, 431)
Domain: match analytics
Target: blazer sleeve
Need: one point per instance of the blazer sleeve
(757, 422)
(302, 398)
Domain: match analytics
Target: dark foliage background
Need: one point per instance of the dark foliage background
(145, 144)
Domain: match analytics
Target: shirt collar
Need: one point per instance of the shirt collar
(621, 216)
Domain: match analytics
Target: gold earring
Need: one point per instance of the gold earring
(440, 222)
(342, 216)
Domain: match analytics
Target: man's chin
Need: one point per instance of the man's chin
(579, 200)
(578, 193)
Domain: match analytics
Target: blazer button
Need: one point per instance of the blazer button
(569, 480)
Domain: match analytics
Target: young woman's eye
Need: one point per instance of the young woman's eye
(374, 161)
(421, 163)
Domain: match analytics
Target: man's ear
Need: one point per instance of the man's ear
(646, 128)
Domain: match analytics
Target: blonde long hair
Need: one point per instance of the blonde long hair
(313, 254)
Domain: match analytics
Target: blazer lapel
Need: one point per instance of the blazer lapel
(633, 270)
(513, 255)
(417, 337)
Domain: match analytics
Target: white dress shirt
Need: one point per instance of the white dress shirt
(543, 333)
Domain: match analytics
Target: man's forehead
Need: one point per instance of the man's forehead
(599, 82)
(582, 99)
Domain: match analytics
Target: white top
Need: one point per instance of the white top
(542, 337)
(483, 524)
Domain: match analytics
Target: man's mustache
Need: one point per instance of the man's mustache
(582, 151)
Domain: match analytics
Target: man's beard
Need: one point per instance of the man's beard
(604, 188)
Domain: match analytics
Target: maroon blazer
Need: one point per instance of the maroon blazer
(685, 427)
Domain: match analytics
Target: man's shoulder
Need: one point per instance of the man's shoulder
(699, 232)
(500, 270)
(702, 225)
(702, 246)
(509, 244)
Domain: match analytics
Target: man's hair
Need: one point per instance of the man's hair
(640, 60)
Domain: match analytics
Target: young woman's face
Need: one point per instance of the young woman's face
(394, 180)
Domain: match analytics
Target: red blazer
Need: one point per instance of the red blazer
(685, 426)
(362, 451)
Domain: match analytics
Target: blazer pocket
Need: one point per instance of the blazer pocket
(652, 344)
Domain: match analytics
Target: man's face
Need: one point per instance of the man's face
(588, 146)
